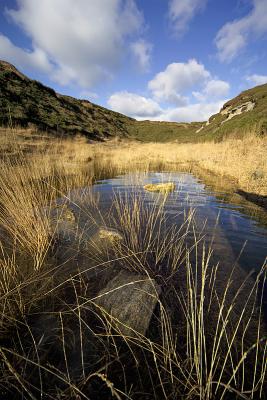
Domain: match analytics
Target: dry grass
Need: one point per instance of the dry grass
(201, 344)
(243, 161)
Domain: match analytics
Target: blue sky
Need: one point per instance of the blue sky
(173, 60)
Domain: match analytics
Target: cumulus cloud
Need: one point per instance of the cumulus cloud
(134, 105)
(214, 89)
(176, 79)
(192, 112)
(181, 12)
(172, 96)
(141, 108)
(142, 50)
(257, 79)
(29, 60)
(234, 36)
(83, 40)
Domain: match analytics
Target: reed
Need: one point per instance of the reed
(206, 339)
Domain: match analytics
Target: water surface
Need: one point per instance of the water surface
(237, 229)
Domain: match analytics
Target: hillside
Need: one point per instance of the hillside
(159, 131)
(246, 113)
(27, 102)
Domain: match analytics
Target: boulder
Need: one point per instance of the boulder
(128, 302)
(62, 218)
(160, 187)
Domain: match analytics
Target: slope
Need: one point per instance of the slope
(25, 102)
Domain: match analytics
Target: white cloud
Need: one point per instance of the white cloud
(23, 59)
(181, 12)
(168, 89)
(214, 89)
(234, 36)
(177, 78)
(257, 79)
(217, 88)
(192, 112)
(134, 105)
(141, 108)
(87, 95)
(84, 40)
(142, 51)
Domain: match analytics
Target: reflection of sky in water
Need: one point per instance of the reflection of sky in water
(235, 227)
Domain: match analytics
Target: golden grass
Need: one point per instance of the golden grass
(202, 345)
(243, 161)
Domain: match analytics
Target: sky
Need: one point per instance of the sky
(169, 60)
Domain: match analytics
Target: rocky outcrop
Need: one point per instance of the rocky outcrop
(231, 112)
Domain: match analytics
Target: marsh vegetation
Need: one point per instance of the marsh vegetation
(63, 242)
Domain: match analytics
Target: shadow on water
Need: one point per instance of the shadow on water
(255, 198)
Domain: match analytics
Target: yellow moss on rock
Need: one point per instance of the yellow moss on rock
(160, 187)
(110, 235)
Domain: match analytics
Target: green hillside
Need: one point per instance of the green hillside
(25, 102)
(158, 131)
(246, 113)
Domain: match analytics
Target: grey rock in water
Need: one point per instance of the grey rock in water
(128, 302)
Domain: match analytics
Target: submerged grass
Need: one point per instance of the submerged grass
(207, 337)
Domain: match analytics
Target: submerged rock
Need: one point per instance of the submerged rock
(62, 218)
(160, 187)
(64, 213)
(128, 301)
(110, 234)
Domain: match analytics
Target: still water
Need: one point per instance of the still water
(237, 229)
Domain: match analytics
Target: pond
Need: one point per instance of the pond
(233, 228)
(237, 229)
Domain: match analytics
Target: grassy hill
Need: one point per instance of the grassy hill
(245, 114)
(27, 102)
(159, 131)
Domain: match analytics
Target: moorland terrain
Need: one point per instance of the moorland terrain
(113, 302)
